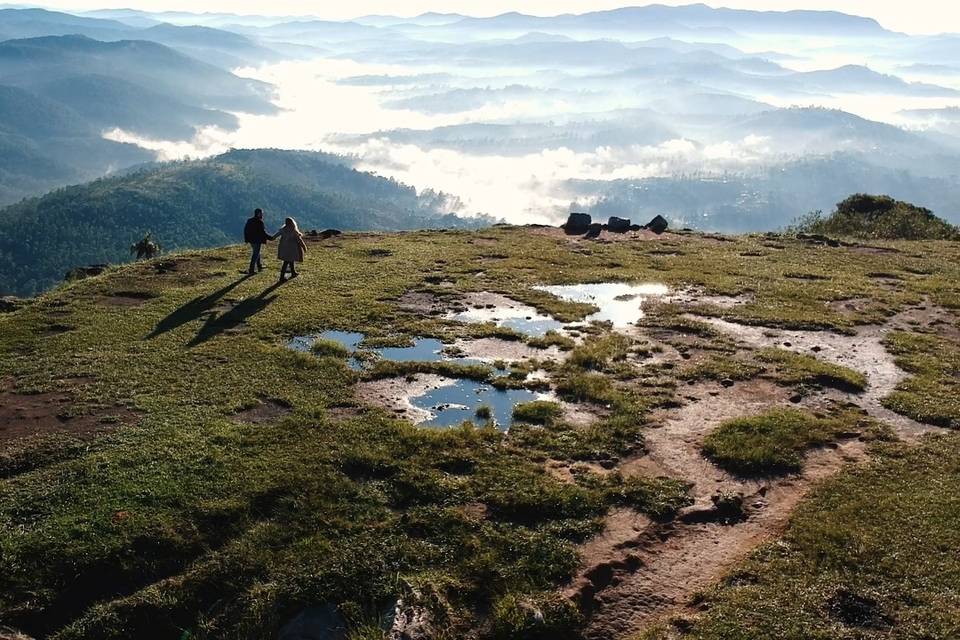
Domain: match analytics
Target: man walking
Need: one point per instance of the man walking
(255, 234)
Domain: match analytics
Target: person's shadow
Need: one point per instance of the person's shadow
(217, 323)
(193, 310)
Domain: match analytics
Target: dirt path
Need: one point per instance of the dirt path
(637, 572)
(658, 571)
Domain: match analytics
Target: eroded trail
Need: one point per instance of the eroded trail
(639, 571)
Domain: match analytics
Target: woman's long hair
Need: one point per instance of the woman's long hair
(290, 223)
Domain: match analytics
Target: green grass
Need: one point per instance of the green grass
(774, 441)
(884, 534)
(183, 518)
(796, 369)
(537, 412)
(932, 393)
(323, 347)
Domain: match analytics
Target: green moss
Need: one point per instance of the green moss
(796, 369)
(720, 367)
(657, 497)
(323, 347)
(880, 536)
(772, 442)
(540, 616)
(537, 412)
(182, 517)
(932, 393)
(552, 339)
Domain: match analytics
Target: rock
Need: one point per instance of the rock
(658, 225)
(329, 233)
(315, 623)
(411, 623)
(635, 227)
(594, 230)
(796, 398)
(578, 223)
(728, 507)
(80, 273)
(727, 382)
(9, 304)
(618, 225)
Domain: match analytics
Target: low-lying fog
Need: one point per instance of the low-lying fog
(731, 135)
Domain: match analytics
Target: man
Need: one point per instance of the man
(255, 234)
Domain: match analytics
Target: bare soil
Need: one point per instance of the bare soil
(265, 411)
(863, 352)
(394, 394)
(24, 415)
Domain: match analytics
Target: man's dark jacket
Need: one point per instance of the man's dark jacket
(255, 232)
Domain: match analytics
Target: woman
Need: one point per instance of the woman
(290, 248)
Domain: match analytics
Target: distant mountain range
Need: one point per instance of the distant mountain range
(201, 203)
(215, 46)
(58, 94)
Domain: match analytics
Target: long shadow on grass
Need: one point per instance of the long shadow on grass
(193, 310)
(218, 323)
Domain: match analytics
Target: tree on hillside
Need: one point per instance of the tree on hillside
(146, 248)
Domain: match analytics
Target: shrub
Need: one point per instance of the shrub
(537, 412)
(878, 217)
(542, 616)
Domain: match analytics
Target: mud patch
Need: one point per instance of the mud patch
(394, 394)
(658, 571)
(490, 350)
(27, 415)
(697, 297)
(420, 302)
(863, 352)
(268, 410)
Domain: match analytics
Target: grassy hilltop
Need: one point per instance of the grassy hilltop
(171, 469)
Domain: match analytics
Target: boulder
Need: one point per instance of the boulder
(593, 231)
(658, 225)
(9, 304)
(330, 233)
(618, 225)
(578, 223)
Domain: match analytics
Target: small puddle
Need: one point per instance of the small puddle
(452, 405)
(422, 350)
(620, 303)
(505, 312)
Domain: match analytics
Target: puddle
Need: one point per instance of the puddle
(453, 404)
(422, 350)
(431, 400)
(506, 312)
(620, 303)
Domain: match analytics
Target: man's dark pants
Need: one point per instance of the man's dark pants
(255, 248)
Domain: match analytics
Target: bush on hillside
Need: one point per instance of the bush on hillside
(879, 218)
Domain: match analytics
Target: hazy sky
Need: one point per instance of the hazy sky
(917, 16)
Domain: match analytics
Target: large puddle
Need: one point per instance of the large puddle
(435, 401)
(620, 303)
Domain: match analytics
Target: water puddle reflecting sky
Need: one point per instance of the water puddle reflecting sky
(620, 303)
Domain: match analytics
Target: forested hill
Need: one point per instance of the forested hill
(200, 203)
